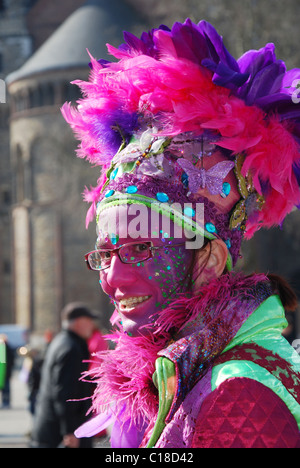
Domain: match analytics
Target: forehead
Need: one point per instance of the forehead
(136, 221)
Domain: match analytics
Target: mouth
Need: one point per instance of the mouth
(132, 302)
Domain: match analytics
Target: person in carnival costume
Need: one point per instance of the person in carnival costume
(197, 151)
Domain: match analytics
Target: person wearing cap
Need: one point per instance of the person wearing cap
(57, 416)
(197, 151)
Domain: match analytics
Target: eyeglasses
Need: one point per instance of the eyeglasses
(128, 253)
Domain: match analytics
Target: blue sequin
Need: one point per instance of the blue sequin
(228, 243)
(114, 238)
(185, 179)
(109, 193)
(162, 197)
(225, 189)
(210, 227)
(114, 173)
(132, 189)
(188, 211)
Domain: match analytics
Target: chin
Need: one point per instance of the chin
(134, 321)
(130, 327)
(133, 328)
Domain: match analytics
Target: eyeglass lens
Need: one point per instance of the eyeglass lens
(128, 253)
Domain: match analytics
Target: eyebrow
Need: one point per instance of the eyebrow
(107, 245)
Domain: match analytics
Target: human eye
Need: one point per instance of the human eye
(140, 248)
(97, 259)
(104, 255)
(133, 253)
(100, 259)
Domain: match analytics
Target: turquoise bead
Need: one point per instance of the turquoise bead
(114, 173)
(132, 189)
(228, 243)
(226, 189)
(210, 227)
(114, 238)
(188, 211)
(109, 193)
(162, 197)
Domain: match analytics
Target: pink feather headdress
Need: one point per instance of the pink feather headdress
(183, 83)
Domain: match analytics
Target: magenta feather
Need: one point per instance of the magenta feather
(124, 378)
(162, 76)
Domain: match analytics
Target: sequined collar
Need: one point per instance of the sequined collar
(216, 317)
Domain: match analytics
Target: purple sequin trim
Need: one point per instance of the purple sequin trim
(210, 333)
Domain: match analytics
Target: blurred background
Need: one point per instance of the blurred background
(42, 216)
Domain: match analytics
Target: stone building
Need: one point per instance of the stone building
(43, 44)
(15, 48)
(48, 215)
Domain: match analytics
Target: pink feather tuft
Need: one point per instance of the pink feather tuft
(124, 378)
(92, 195)
(221, 292)
(271, 165)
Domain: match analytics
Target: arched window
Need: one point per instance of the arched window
(47, 94)
(35, 97)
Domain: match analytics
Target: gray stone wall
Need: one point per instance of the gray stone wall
(52, 220)
(15, 48)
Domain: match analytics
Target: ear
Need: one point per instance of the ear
(213, 257)
(218, 257)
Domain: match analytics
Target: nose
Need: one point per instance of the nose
(120, 274)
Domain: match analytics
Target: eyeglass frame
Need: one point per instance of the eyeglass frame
(116, 252)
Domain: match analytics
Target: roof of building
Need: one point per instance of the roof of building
(91, 26)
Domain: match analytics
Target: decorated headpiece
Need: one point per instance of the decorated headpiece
(177, 119)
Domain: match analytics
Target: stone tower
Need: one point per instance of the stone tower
(15, 48)
(48, 215)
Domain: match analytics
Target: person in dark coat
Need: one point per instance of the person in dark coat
(56, 416)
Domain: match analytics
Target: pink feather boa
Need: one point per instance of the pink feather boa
(124, 379)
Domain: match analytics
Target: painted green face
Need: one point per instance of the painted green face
(142, 289)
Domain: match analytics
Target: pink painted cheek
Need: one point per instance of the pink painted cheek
(140, 278)
(164, 277)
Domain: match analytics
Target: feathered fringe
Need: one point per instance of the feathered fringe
(183, 98)
(124, 379)
(221, 292)
(153, 81)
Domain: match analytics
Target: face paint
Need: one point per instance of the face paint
(142, 289)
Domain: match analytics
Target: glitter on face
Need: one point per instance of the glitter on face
(114, 239)
(149, 286)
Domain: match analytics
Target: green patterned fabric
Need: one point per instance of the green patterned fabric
(266, 355)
